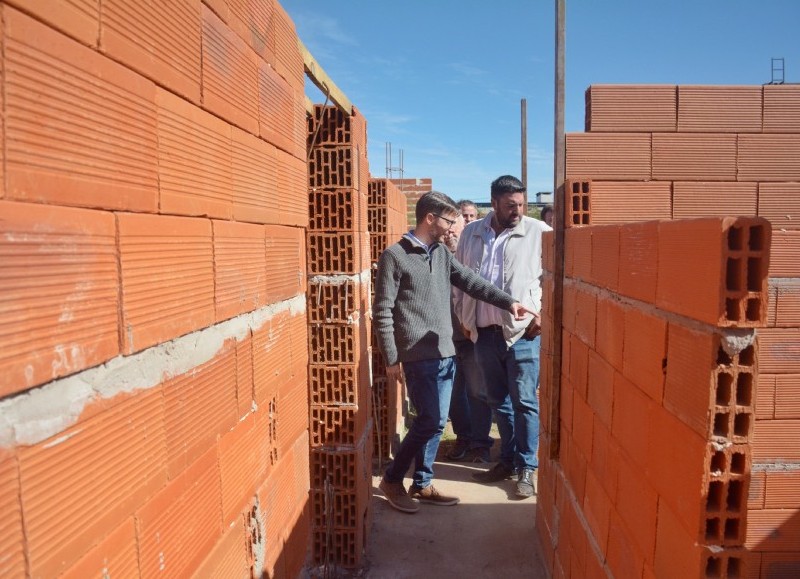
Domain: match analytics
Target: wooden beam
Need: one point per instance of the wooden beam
(309, 106)
(323, 82)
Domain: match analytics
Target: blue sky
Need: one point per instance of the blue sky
(443, 79)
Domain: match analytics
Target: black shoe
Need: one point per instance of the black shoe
(497, 473)
(458, 451)
(525, 485)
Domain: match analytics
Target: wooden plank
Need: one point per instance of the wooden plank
(323, 82)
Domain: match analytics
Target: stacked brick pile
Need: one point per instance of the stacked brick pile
(667, 152)
(387, 222)
(339, 334)
(657, 398)
(413, 189)
(153, 334)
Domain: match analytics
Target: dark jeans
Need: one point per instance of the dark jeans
(470, 413)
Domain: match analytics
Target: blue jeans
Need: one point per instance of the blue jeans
(470, 413)
(511, 376)
(429, 384)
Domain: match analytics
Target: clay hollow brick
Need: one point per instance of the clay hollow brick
(726, 563)
(335, 300)
(338, 384)
(331, 127)
(337, 252)
(337, 210)
(342, 510)
(579, 211)
(345, 546)
(333, 426)
(346, 469)
(334, 343)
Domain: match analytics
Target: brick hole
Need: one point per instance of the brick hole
(735, 568)
(755, 274)
(723, 359)
(735, 238)
(747, 357)
(713, 567)
(584, 186)
(732, 309)
(718, 462)
(744, 389)
(584, 203)
(741, 424)
(735, 496)
(585, 219)
(733, 275)
(724, 388)
(738, 463)
(755, 241)
(576, 187)
(714, 498)
(731, 529)
(721, 424)
(713, 528)
(576, 204)
(753, 310)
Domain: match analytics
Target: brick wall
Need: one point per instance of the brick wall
(413, 189)
(154, 331)
(678, 152)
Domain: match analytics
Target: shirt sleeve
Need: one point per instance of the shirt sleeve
(387, 283)
(474, 285)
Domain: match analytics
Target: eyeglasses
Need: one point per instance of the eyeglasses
(450, 222)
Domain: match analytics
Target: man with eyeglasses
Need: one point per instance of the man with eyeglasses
(413, 326)
(505, 247)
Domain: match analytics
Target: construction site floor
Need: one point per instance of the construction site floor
(490, 533)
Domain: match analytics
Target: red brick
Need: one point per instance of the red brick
(638, 261)
(636, 506)
(630, 201)
(768, 157)
(633, 419)
(785, 254)
(285, 263)
(586, 317)
(600, 388)
(274, 353)
(605, 256)
(69, 504)
(244, 375)
(79, 19)
(161, 42)
(12, 537)
(200, 406)
(779, 350)
(694, 157)
(578, 242)
(115, 555)
(758, 483)
(281, 112)
(230, 74)
(252, 20)
(293, 413)
(776, 440)
(194, 152)
(610, 331)
(782, 109)
(623, 559)
(288, 60)
(229, 557)
(724, 109)
(677, 553)
(292, 192)
(578, 365)
(180, 525)
(780, 203)
(180, 298)
(108, 159)
(239, 268)
(645, 352)
(787, 396)
(597, 510)
(569, 307)
(578, 202)
(773, 530)
(254, 172)
(582, 425)
(780, 564)
(692, 199)
(337, 253)
(782, 489)
(59, 281)
(622, 156)
(631, 108)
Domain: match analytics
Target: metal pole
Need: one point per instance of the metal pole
(559, 210)
(524, 147)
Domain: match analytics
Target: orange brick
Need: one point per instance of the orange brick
(108, 159)
(692, 199)
(605, 459)
(638, 261)
(610, 331)
(769, 157)
(288, 60)
(779, 350)
(273, 352)
(79, 19)
(293, 413)
(785, 254)
(200, 406)
(292, 191)
(597, 510)
(578, 365)
(724, 109)
(240, 283)
(582, 425)
(694, 156)
(636, 506)
(569, 307)
(644, 358)
(780, 203)
(229, 557)
(578, 241)
(179, 526)
(782, 109)
(779, 564)
(281, 112)
(600, 387)
(677, 554)
(59, 286)
(255, 179)
(787, 396)
(765, 396)
(194, 152)
(179, 298)
(252, 20)
(782, 489)
(160, 41)
(605, 256)
(115, 555)
(621, 156)
(773, 530)
(244, 375)
(12, 537)
(69, 503)
(776, 440)
(632, 421)
(629, 201)
(586, 317)
(623, 559)
(286, 271)
(230, 74)
(758, 483)
(631, 108)
(690, 379)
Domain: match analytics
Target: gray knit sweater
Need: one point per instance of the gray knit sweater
(411, 313)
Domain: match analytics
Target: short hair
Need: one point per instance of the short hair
(545, 210)
(436, 203)
(467, 203)
(506, 184)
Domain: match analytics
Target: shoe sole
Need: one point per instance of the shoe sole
(402, 509)
(440, 503)
(525, 495)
